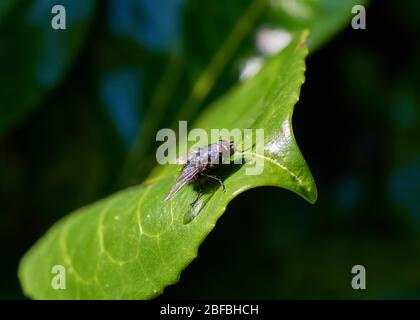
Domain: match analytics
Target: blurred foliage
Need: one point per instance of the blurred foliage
(33, 56)
(67, 125)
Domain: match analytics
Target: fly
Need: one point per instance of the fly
(202, 163)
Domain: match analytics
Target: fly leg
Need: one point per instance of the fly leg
(217, 179)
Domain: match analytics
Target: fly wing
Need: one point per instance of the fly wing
(184, 158)
(187, 176)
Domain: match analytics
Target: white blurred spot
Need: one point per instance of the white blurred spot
(270, 41)
(250, 68)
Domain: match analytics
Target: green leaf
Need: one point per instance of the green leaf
(131, 245)
(323, 18)
(36, 56)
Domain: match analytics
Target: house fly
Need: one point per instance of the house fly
(202, 163)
